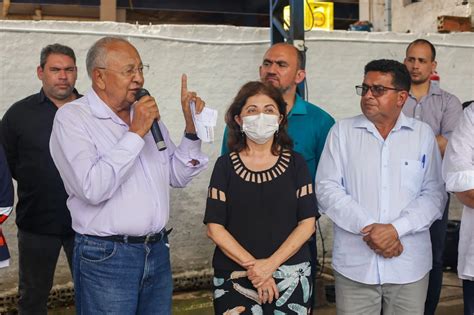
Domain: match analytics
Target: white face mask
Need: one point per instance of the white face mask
(260, 128)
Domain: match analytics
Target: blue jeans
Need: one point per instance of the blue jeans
(438, 238)
(121, 278)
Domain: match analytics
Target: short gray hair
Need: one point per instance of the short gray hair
(97, 53)
(55, 49)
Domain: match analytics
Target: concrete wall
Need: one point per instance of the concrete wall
(218, 60)
(414, 17)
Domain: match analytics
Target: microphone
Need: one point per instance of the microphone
(155, 128)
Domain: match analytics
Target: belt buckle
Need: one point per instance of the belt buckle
(147, 238)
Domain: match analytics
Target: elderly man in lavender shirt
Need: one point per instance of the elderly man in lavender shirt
(118, 184)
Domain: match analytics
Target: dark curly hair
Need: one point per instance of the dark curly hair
(400, 76)
(236, 141)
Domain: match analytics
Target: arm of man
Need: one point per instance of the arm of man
(442, 143)
(466, 198)
(333, 200)
(429, 204)
(458, 167)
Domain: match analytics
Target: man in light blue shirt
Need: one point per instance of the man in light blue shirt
(379, 180)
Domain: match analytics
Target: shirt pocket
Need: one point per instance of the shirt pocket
(411, 176)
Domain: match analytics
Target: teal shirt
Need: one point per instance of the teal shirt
(308, 127)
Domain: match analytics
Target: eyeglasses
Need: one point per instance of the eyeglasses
(130, 72)
(377, 90)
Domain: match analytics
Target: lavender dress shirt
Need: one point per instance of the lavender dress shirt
(439, 109)
(117, 182)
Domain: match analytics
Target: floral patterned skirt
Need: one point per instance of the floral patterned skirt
(234, 293)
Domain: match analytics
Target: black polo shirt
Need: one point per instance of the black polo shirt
(26, 129)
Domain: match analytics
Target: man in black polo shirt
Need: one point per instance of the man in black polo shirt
(42, 217)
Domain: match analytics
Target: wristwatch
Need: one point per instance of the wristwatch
(191, 136)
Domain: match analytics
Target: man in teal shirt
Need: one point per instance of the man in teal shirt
(308, 125)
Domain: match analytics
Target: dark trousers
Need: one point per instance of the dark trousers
(38, 256)
(468, 291)
(438, 238)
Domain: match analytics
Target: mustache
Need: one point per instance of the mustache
(271, 76)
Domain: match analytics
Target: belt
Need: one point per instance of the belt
(150, 238)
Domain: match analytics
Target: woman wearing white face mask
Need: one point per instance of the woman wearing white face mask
(260, 211)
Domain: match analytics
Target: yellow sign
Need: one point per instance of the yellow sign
(317, 15)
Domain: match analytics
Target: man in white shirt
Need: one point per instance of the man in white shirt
(458, 172)
(119, 184)
(379, 180)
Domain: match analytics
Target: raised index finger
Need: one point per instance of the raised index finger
(184, 85)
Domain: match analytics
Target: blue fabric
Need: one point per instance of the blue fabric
(308, 127)
(468, 291)
(438, 238)
(122, 278)
(6, 201)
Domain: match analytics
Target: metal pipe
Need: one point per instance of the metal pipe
(388, 15)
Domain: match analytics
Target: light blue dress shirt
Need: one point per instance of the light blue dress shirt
(364, 179)
(117, 182)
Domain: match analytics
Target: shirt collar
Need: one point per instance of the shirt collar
(43, 98)
(101, 110)
(433, 90)
(402, 122)
(299, 107)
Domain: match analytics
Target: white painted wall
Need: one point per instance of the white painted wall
(416, 17)
(218, 60)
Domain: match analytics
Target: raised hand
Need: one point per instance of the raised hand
(186, 98)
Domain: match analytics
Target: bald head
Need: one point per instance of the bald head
(282, 67)
(290, 51)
